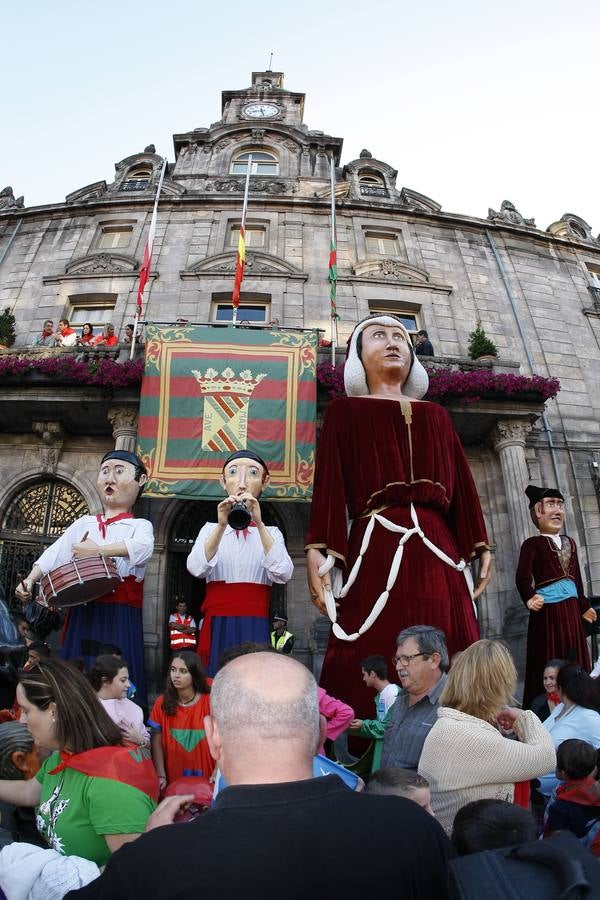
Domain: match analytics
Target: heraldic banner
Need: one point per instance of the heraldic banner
(208, 392)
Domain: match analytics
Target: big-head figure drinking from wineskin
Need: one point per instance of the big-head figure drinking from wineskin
(240, 558)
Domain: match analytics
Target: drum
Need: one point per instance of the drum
(79, 581)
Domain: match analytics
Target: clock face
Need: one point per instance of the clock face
(261, 110)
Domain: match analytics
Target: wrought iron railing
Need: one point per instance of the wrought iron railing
(594, 290)
(134, 185)
(373, 190)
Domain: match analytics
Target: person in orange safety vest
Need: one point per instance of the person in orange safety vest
(182, 628)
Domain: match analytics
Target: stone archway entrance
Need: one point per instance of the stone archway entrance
(35, 516)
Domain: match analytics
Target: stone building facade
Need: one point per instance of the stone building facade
(536, 292)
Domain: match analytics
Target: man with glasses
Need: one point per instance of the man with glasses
(421, 661)
(46, 338)
(263, 730)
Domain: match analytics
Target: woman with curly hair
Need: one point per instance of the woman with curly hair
(179, 745)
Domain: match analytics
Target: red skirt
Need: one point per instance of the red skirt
(427, 592)
(555, 632)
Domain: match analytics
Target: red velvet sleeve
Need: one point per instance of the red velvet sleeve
(464, 517)
(328, 529)
(584, 603)
(524, 577)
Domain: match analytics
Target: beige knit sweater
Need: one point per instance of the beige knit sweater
(465, 758)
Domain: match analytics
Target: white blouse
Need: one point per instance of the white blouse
(136, 534)
(241, 558)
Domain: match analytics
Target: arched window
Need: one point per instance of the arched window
(263, 163)
(368, 178)
(34, 518)
(138, 179)
(372, 184)
(577, 230)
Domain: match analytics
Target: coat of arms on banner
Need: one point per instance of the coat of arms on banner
(226, 402)
(209, 391)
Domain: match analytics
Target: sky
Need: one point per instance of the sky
(472, 102)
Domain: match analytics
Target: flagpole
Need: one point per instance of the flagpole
(241, 254)
(145, 270)
(333, 265)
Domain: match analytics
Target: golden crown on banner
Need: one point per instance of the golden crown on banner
(211, 382)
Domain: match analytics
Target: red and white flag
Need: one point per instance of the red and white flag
(145, 268)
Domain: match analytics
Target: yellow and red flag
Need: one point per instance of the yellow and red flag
(239, 268)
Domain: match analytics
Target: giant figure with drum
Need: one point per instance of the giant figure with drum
(395, 514)
(96, 569)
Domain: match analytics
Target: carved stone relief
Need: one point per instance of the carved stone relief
(124, 421)
(390, 268)
(257, 186)
(51, 438)
(123, 417)
(8, 200)
(257, 264)
(510, 431)
(509, 213)
(100, 263)
(223, 144)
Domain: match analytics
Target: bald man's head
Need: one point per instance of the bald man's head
(266, 697)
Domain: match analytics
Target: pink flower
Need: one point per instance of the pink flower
(104, 372)
(466, 386)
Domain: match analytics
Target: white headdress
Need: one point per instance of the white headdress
(355, 378)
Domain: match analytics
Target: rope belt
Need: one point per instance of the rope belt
(381, 601)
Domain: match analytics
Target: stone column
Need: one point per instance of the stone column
(508, 438)
(124, 421)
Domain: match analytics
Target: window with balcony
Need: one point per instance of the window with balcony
(408, 317)
(263, 163)
(594, 272)
(372, 185)
(253, 313)
(254, 308)
(137, 179)
(97, 309)
(380, 243)
(594, 285)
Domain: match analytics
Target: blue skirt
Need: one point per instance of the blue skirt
(229, 631)
(93, 624)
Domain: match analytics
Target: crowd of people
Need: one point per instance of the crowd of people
(447, 738)
(66, 336)
(244, 764)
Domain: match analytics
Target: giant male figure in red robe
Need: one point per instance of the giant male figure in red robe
(549, 582)
(393, 465)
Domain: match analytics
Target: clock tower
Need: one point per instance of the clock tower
(265, 115)
(265, 101)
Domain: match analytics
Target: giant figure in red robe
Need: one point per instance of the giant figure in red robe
(549, 582)
(395, 513)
